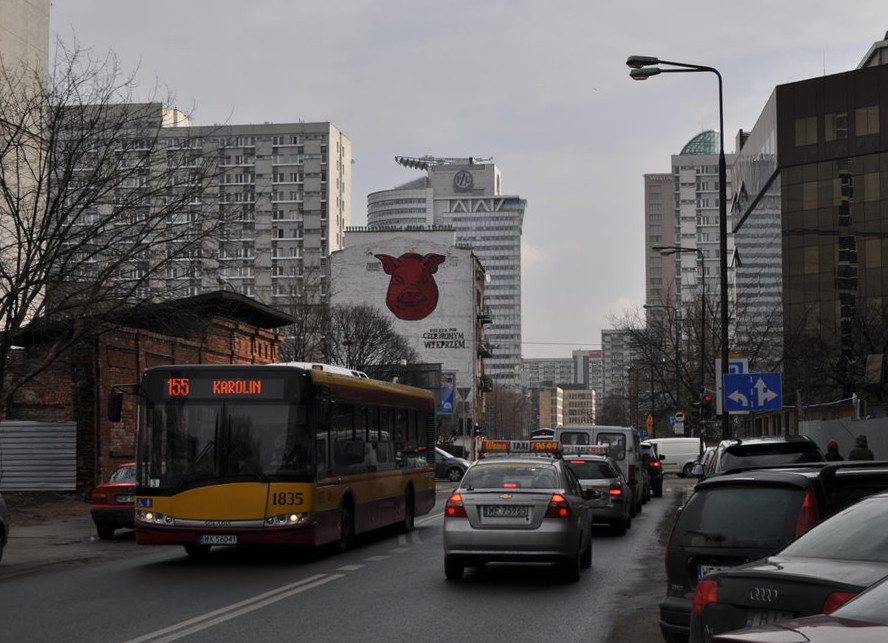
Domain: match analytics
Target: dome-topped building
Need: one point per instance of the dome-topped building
(706, 142)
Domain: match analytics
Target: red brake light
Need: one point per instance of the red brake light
(835, 600)
(807, 517)
(655, 464)
(576, 461)
(510, 485)
(455, 508)
(558, 507)
(616, 489)
(707, 592)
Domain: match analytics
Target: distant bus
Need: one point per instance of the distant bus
(542, 434)
(277, 454)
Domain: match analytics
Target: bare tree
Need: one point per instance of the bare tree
(96, 205)
(306, 339)
(508, 413)
(359, 337)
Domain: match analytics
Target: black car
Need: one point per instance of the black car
(736, 518)
(651, 460)
(816, 574)
(748, 453)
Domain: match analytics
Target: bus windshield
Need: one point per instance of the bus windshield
(200, 442)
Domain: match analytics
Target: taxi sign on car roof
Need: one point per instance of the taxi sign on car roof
(520, 446)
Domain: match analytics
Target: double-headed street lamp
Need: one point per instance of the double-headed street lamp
(642, 68)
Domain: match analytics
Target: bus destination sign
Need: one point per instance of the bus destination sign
(224, 387)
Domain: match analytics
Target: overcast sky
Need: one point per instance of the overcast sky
(542, 87)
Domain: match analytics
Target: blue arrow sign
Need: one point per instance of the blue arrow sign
(753, 392)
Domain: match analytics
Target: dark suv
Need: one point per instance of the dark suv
(738, 517)
(651, 460)
(769, 450)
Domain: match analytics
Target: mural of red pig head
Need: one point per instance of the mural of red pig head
(412, 292)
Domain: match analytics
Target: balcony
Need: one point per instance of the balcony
(485, 349)
(484, 316)
(485, 384)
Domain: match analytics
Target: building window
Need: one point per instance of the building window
(836, 126)
(806, 131)
(867, 120)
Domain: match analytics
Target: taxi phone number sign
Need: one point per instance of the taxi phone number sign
(531, 446)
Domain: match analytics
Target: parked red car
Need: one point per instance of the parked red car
(112, 501)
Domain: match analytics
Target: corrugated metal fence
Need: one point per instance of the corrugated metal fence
(38, 456)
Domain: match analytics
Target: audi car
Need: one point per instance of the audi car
(518, 507)
(815, 574)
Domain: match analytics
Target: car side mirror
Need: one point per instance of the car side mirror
(697, 470)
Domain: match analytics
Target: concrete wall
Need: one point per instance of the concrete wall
(844, 430)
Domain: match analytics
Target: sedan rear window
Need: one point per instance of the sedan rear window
(741, 516)
(591, 469)
(859, 532)
(512, 476)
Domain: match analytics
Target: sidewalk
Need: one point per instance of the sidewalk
(50, 529)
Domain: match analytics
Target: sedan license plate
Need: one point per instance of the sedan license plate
(760, 618)
(125, 500)
(218, 539)
(505, 511)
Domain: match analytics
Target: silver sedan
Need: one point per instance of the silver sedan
(518, 509)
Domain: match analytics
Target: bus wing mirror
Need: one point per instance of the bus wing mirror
(115, 405)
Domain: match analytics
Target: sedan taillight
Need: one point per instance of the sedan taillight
(558, 507)
(616, 490)
(455, 507)
(835, 600)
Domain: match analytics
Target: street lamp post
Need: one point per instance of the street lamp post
(642, 68)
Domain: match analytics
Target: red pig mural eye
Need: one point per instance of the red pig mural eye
(412, 291)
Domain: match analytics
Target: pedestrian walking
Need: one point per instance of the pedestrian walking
(832, 451)
(861, 450)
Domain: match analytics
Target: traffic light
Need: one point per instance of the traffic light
(706, 409)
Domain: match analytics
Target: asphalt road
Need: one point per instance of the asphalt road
(61, 561)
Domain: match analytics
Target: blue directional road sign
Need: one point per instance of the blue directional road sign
(753, 392)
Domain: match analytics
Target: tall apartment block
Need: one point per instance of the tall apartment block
(289, 189)
(466, 194)
(587, 369)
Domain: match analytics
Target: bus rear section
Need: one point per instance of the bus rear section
(277, 455)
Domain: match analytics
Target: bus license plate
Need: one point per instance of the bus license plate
(505, 511)
(218, 539)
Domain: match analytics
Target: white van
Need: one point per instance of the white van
(623, 446)
(678, 455)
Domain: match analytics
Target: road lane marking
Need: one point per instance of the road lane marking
(210, 619)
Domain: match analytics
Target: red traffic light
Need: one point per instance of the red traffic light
(707, 399)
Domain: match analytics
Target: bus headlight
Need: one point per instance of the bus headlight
(154, 518)
(288, 520)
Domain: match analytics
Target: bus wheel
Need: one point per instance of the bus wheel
(346, 528)
(197, 551)
(409, 513)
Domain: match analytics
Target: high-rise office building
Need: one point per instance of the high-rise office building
(466, 194)
(811, 217)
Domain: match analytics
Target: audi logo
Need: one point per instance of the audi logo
(763, 594)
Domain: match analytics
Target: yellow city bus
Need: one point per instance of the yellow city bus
(277, 454)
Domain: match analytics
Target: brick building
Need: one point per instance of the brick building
(213, 328)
